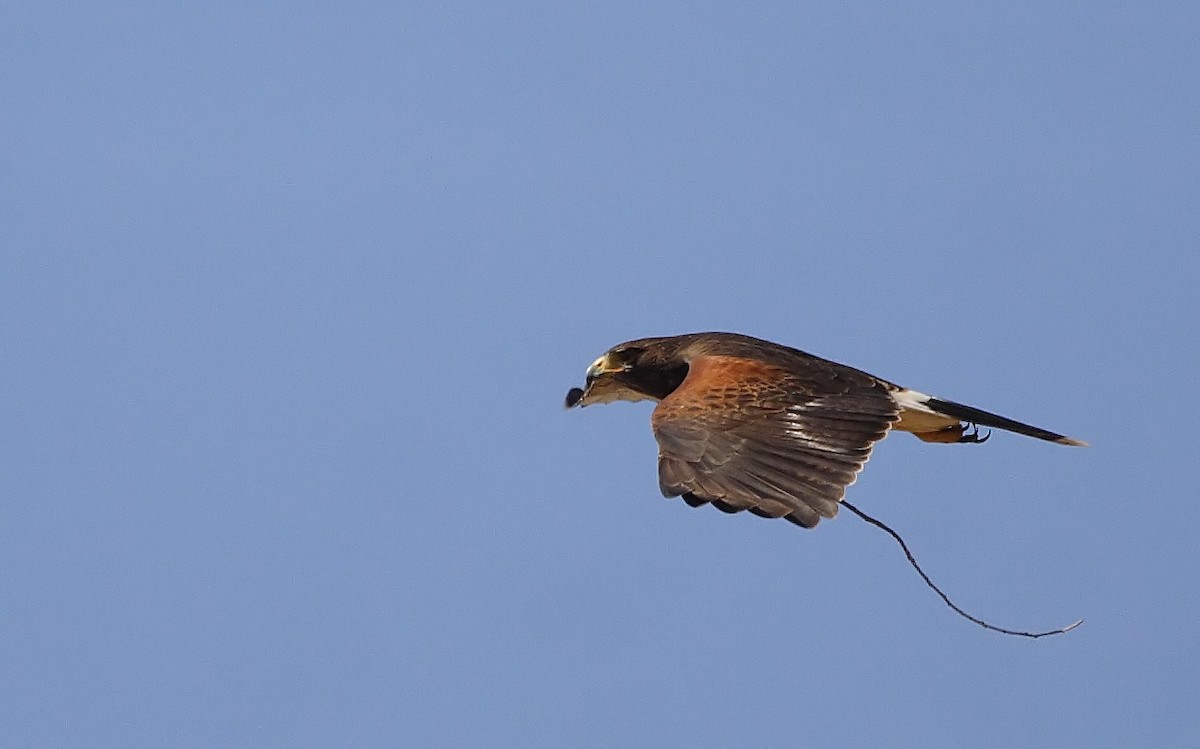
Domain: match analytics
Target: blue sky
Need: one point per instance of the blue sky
(290, 296)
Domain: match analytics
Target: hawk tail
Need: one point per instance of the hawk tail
(987, 419)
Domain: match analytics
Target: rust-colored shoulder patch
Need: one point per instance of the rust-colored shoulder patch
(719, 385)
(720, 371)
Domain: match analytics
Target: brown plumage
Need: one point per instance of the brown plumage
(746, 424)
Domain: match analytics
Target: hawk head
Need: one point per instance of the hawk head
(645, 369)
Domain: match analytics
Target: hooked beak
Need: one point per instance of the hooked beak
(605, 365)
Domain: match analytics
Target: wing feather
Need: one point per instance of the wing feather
(779, 441)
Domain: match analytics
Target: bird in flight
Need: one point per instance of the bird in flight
(746, 424)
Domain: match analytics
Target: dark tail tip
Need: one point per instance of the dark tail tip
(988, 419)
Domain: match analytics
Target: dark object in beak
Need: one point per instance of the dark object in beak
(573, 396)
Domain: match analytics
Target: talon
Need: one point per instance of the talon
(972, 437)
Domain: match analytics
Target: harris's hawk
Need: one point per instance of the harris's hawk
(746, 424)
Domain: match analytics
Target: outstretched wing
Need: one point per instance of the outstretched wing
(777, 440)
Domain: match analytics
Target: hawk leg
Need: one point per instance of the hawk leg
(954, 434)
(972, 437)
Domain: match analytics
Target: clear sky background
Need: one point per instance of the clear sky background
(290, 296)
